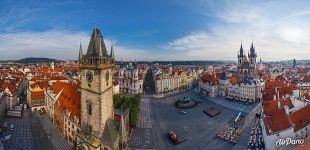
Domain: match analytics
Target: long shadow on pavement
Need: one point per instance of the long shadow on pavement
(40, 138)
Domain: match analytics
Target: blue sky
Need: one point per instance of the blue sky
(156, 29)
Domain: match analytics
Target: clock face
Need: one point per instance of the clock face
(107, 76)
(89, 76)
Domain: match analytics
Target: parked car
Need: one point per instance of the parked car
(183, 112)
(12, 127)
(173, 137)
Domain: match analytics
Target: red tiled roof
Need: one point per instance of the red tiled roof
(233, 80)
(58, 69)
(37, 95)
(58, 86)
(271, 106)
(12, 86)
(58, 78)
(212, 79)
(277, 122)
(140, 76)
(300, 118)
(280, 78)
(306, 78)
(69, 99)
(41, 84)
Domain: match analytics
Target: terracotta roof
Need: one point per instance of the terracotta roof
(212, 79)
(306, 78)
(140, 76)
(233, 80)
(268, 94)
(277, 122)
(37, 95)
(58, 70)
(271, 106)
(41, 84)
(12, 86)
(58, 78)
(285, 90)
(300, 118)
(69, 99)
(280, 77)
(58, 86)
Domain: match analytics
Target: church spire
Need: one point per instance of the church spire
(80, 52)
(112, 52)
(241, 53)
(252, 51)
(96, 47)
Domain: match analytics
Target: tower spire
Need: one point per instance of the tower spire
(252, 51)
(122, 130)
(112, 52)
(96, 47)
(81, 51)
(241, 53)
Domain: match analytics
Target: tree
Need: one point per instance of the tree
(131, 102)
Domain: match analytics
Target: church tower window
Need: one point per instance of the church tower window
(89, 109)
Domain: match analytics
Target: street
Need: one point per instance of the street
(143, 135)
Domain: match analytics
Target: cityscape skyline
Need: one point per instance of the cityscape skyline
(202, 30)
(96, 103)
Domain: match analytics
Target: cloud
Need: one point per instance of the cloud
(55, 44)
(278, 33)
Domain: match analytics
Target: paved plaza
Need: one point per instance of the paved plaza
(196, 129)
(21, 135)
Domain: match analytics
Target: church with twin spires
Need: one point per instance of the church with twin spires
(99, 130)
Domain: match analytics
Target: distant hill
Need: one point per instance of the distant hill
(35, 60)
(194, 62)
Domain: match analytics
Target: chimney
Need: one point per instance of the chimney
(279, 104)
(286, 109)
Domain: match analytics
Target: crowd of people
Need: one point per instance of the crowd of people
(256, 140)
(232, 132)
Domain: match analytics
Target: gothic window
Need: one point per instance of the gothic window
(89, 109)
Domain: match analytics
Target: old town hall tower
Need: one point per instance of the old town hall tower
(96, 68)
